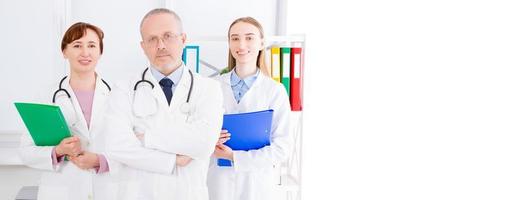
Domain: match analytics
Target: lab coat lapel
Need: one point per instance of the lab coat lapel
(157, 90)
(180, 93)
(257, 83)
(80, 127)
(227, 89)
(98, 105)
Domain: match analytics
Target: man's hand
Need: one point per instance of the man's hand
(140, 136)
(182, 160)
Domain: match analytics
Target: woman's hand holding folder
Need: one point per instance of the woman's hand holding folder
(221, 150)
(70, 146)
(223, 137)
(86, 160)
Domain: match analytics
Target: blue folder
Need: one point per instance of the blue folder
(249, 131)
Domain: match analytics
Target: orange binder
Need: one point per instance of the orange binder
(296, 79)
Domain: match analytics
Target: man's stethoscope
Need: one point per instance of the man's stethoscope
(184, 108)
(63, 90)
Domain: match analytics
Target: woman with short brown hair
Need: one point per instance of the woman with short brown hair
(76, 168)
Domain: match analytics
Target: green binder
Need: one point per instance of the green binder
(285, 68)
(45, 123)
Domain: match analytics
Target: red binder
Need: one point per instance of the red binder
(296, 79)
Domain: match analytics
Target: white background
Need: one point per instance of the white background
(403, 99)
(409, 99)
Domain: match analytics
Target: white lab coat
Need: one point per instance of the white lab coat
(166, 133)
(252, 176)
(67, 181)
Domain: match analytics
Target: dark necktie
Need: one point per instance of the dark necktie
(166, 85)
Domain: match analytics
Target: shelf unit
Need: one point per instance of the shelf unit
(291, 170)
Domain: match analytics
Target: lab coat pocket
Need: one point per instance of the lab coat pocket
(47, 192)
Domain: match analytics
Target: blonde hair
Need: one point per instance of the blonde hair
(260, 57)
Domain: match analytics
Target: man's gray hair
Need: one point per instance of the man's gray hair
(161, 11)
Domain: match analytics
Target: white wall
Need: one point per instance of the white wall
(30, 55)
(212, 18)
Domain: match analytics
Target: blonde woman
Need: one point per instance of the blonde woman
(247, 87)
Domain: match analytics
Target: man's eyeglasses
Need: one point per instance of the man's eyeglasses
(167, 38)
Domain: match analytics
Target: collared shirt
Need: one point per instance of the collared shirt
(241, 86)
(175, 76)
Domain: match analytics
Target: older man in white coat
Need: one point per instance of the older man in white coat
(165, 121)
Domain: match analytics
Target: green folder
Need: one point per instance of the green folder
(45, 123)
